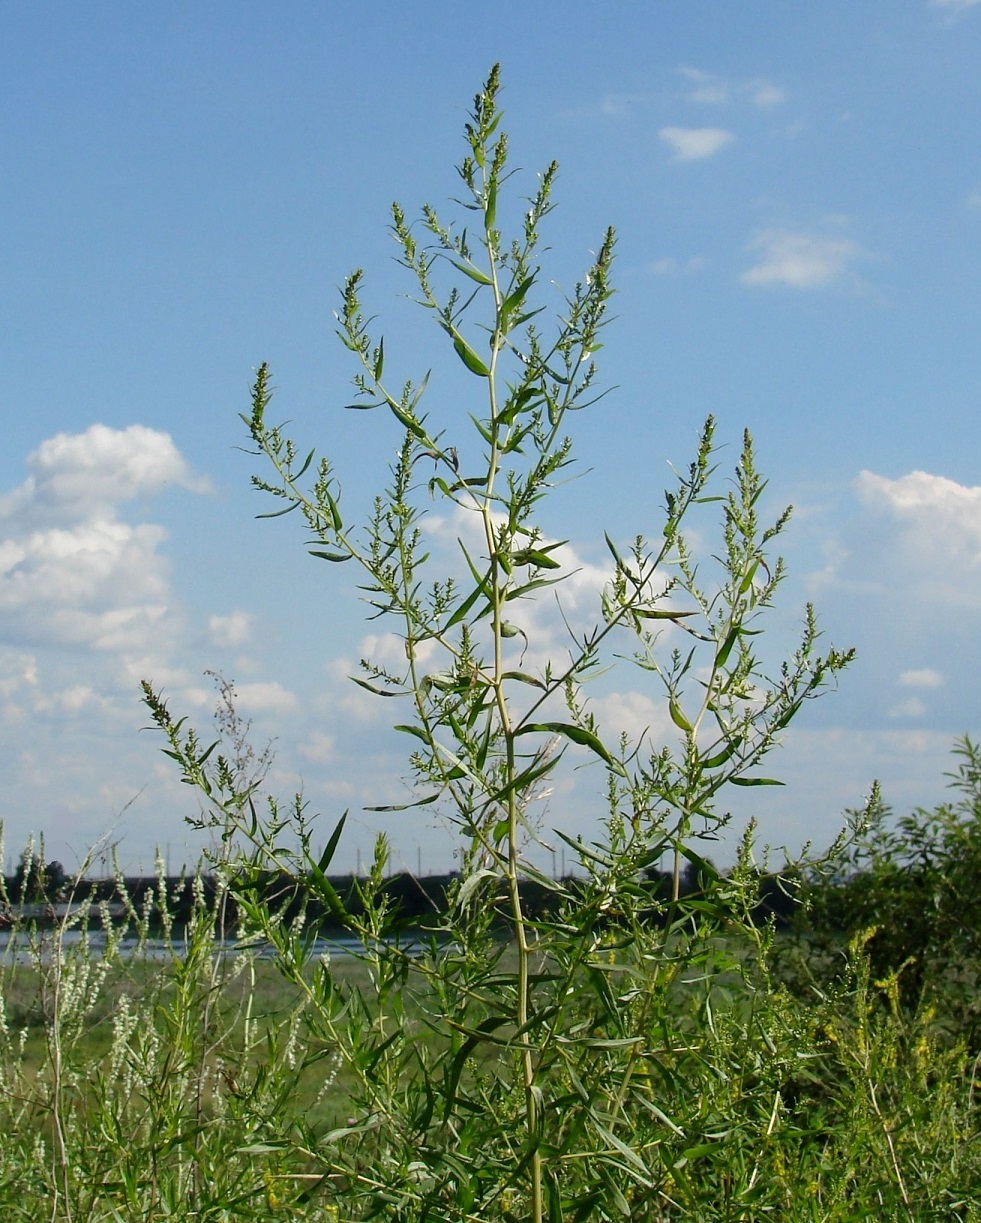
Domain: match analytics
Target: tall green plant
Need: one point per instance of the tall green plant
(544, 1086)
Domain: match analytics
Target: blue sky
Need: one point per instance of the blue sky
(797, 192)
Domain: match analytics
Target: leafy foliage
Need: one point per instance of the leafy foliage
(908, 888)
(570, 1122)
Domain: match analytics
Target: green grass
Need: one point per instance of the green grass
(226, 1089)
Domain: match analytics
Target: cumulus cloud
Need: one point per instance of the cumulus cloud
(709, 89)
(71, 571)
(669, 266)
(91, 584)
(318, 748)
(765, 94)
(695, 143)
(705, 86)
(232, 630)
(800, 260)
(77, 476)
(937, 527)
(925, 677)
(949, 511)
(264, 697)
(18, 672)
(634, 714)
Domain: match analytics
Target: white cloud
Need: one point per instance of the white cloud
(611, 106)
(264, 697)
(937, 543)
(800, 260)
(318, 748)
(77, 476)
(669, 266)
(695, 143)
(232, 630)
(925, 677)
(73, 701)
(17, 672)
(949, 511)
(764, 94)
(635, 714)
(709, 89)
(81, 584)
(71, 572)
(911, 708)
(706, 87)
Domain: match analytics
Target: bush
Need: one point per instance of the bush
(908, 888)
(555, 1076)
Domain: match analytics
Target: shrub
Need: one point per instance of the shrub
(571, 1073)
(909, 888)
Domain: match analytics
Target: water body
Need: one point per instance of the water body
(16, 947)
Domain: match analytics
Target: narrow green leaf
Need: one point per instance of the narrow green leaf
(748, 579)
(553, 1196)
(419, 802)
(523, 318)
(335, 836)
(654, 613)
(279, 513)
(705, 868)
(490, 212)
(414, 730)
(538, 584)
(420, 391)
(363, 683)
(414, 427)
(337, 557)
(661, 1116)
(482, 429)
(379, 361)
(731, 638)
(575, 734)
(474, 273)
(326, 891)
(756, 781)
(525, 780)
(631, 1157)
(306, 463)
(469, 357)
(535, 557)
(483, 1033)
(613, 550)
(714, 762)
(678, 717)
(521, 677)
(511, 303)
(464, 608)
(471, 884)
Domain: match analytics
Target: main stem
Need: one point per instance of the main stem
(532, 1117)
